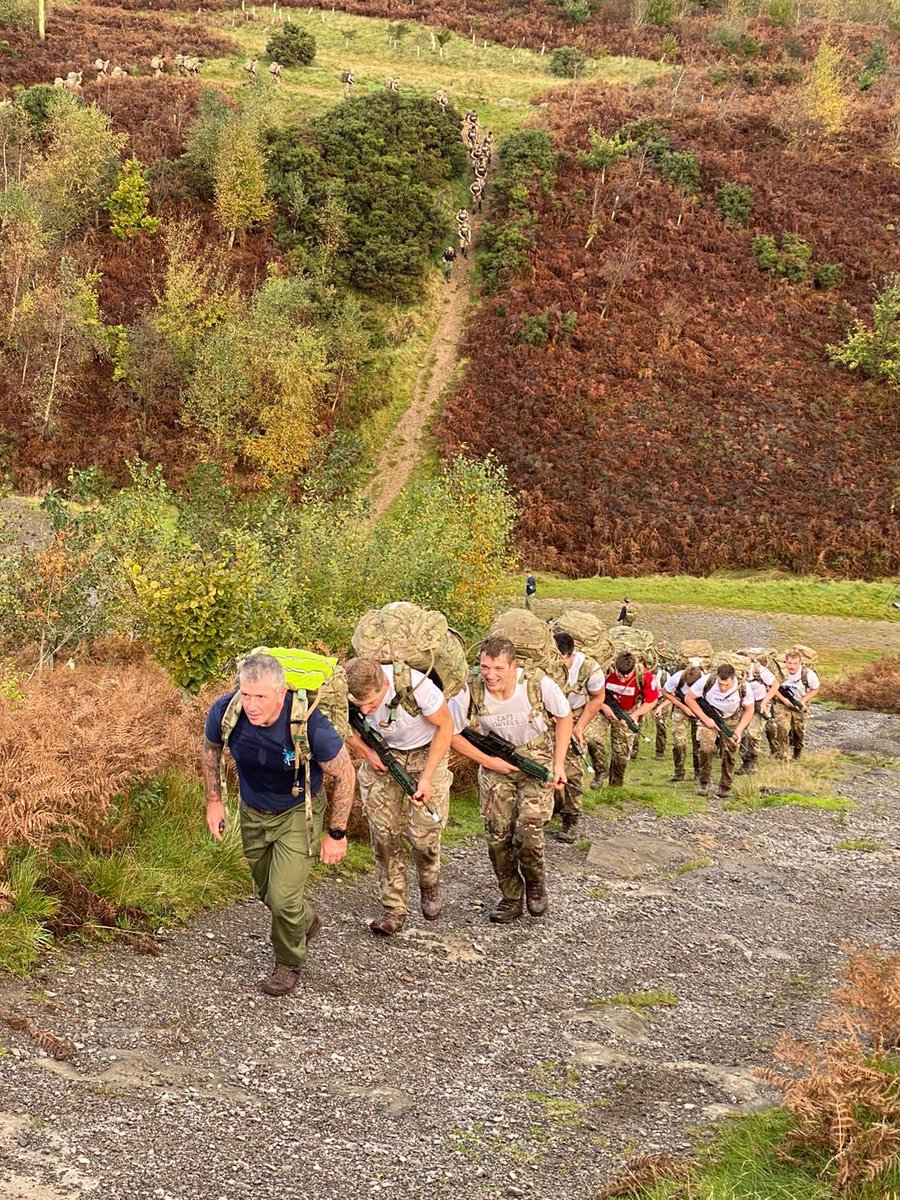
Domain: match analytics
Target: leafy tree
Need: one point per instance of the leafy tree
(566, 62)
(876, 351)
(201, 141)
(24, 246)
(681, 169)
(605, 151)
(735, 203)
(239, 179)
(198, 291)
(15, 142)
(825, 93)
(128, 203)
(39, 102)
(76, 173)
(877, 64)
(291, 46)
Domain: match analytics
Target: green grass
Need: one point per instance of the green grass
(803, 784)
(741, 1162)
(357, 861)
(647, 784)
(786, 800)
(693, 864)
(868, 845)
(640, 1002)
(23, 934)
(768, 592)
(474, 75)
(465, 819)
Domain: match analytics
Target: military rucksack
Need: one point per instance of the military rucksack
(695, 652)
(588, 633)
(533, 642)
(410, 638)
(808, 658)
(639, 642)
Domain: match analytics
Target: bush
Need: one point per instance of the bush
(793, 260)
(128, 203)
(827, 275)
(782, 13)
(681, 169)
(660, 12)
(735, 203)
(876, 65)
(875, 687)
(875, 351)
(566, 62)
(291, 46)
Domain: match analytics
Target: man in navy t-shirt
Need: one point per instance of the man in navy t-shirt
(274, 832)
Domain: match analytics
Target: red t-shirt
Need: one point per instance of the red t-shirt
(625, 690)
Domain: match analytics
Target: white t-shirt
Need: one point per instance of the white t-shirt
(726, 702)
(671, 684)
(594, 684)
(406, 732)
(795, 682)
(760, 682)
(512, 718)
(459, 709)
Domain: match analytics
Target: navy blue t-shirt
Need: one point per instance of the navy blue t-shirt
(264, 755)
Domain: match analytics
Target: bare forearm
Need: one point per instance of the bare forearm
(340, 771)
(211, 759)
(563, 738)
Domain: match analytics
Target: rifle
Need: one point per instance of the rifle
(498, 747)
(713, 713)
(792, 700)
(581, 752)
(621, 715)
(371, 738)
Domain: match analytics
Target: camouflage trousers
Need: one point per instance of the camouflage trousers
(392, 816)
(660, 716)
(750, 743)
(623, 745)
(682, 725)
(515, 809)
(707, 742)
(569, 801)
(790, 731)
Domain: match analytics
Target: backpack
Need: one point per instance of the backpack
(667, 656)
(639, 642)
(738, 660)
(308, 675)
(588, 633)
(533, 641)
(808, 658)
(695, 652)
(410, 638)
(759, 656)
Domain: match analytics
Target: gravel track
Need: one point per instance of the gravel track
(459, 1060)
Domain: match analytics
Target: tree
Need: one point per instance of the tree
(605, 151)
(24, 247)
(875, 351)
(128, 203)
(825, 93)
(198, 291)
(76, 173)
(15, 142)
(291, 46)
(239, 179)
(567, 62)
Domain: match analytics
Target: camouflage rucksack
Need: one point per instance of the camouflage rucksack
(695, 652)
(410, 638)
(808, 658)
(533, 641)
(588, 633)
(639, 642)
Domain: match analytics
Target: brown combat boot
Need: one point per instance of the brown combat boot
(315, 928)
(536, 898)
(505, 911)
(567, 832)
(432, 901)
(702, 788)
(282, 980)
(391, 921)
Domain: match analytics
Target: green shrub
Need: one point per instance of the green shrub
(668, 48)
(876, 65)
(793, 260)
(681, 169)
(128, 203)
(566, 62)
(23, 933)
(660, 12)
(727, 37)
(291, 46)
(827, 275)
(39, 103)
(782, 13)
(876, 351)
(578, 12)
(785, 73)
(793, 47)
(735, 203)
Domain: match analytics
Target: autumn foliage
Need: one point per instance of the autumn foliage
(692, 419)
(875, 687)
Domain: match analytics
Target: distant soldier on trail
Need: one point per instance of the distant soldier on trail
(733, 701)
(763, 684)
(626, 615)
(392, 84)
(180, 60)
(480, 171)
(348, 81)
(276, 71)
(464, 232)
(530, 590)
(447, 259)
(462, 217)
(586, 694)
(443, 99)
(251, 66)
(802, 685)
(683, 721)
(157, 65)
(476, 191)
(633, 687)
(192, 66)
(101, 66)
(118, 73)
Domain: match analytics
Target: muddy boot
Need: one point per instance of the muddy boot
(702, 789)
(505, 911)
(678, 764)
(282, 980)
(536, 897)
(390, 922)
(432, 901)
(567, 833)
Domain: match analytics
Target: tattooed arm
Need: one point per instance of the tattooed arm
(215, 812)
(340, 771)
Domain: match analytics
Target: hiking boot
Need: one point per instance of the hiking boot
(702, 789)
(567, 832)
(315, 928)
(660, 757)
(676, 778)
(505, 911)
(282, 980)
(536, 898)
(723, 793)
(391, 921)
(432, 901)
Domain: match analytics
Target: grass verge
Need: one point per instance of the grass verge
(640, 1002)
(767, 592)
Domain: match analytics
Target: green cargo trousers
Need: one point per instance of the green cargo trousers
(280, 860)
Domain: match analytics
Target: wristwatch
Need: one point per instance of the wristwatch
(337, 834)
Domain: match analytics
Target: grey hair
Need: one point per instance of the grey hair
(262, 666)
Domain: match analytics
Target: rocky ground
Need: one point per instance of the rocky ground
(460, 1059)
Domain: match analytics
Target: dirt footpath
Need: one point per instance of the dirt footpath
(459, 1060)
